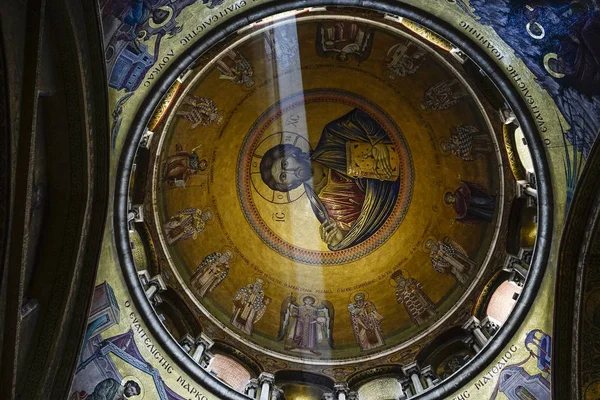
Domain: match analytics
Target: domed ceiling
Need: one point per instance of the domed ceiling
(328, 190)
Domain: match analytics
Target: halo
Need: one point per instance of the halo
(446, 191)
(392, 282)
(547, 58)
(270, 195)
(262, 278)
(355, 293)
(166, 21)
(308, 295)
(424, 248)
(136, 380)
(234, 257)
(444, 140)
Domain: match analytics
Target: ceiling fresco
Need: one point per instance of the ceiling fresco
(333, 199)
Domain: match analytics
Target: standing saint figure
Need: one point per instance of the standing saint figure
(404, 59)
(186, 224)
(344, 39)
(200, 111)
(468, 143)
(249, 305)
(449, 258)
(306, 326)
(444, 95)
(236, 68)
(180, 166)
(471, 203)
(351, 178)
(211, 272)
(409, 293)
(366, 322)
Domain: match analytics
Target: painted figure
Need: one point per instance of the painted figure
(344, 40)
(467, 143)
(109, 389)
(404, 59)
(249, 305)
(409, 293)
(211, 272)
(236, 68)
(182, 165)
(449, 258)
(128, 24)
(444, 95)
(366, 322)
(282, 46)
(306, 326)
(350, 205)
(471, 203)
(186, 224)
(200, 111)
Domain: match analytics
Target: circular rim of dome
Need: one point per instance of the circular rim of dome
(496, 74)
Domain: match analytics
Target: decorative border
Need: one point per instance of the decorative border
(496, 74)
(244, 186)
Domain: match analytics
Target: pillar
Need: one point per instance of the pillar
(202, 343)
(490, 326)
(474, 326)
(412, 371)
(341, 391)
(470, 341)
(266, 380)
(251, 389)
(429, 376)
(187, 343)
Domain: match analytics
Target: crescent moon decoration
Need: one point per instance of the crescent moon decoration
(533, 35)
(547, 58)
(166, 21)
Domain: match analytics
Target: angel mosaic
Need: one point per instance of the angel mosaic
(200, 111)
(344, 40)
(234, 67)
(471, 203)
(211, 272)
(404, 59)
(186, 224)
(306, 326)
(449, 258)
(249, 306)
(409, 292)
(467, 143)
(366, 323)
(444, 95)
(182, 165)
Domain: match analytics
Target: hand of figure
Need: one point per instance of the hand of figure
(331, 233)
(382, 159)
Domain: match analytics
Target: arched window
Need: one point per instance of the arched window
(503, 301)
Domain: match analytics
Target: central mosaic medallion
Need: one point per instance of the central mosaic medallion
(346, 188)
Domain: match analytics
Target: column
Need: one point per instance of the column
(429, 376)
(341, 391)
(402, 396)
(276, 393)
(202, 343)
(474, 326)
(266, 380)
(405, 383)
(412, 371)
(328, 396)
(469, 341)
(524, 188)
(156, 284)
(251, 389)
(187, 343)
(490, 326)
